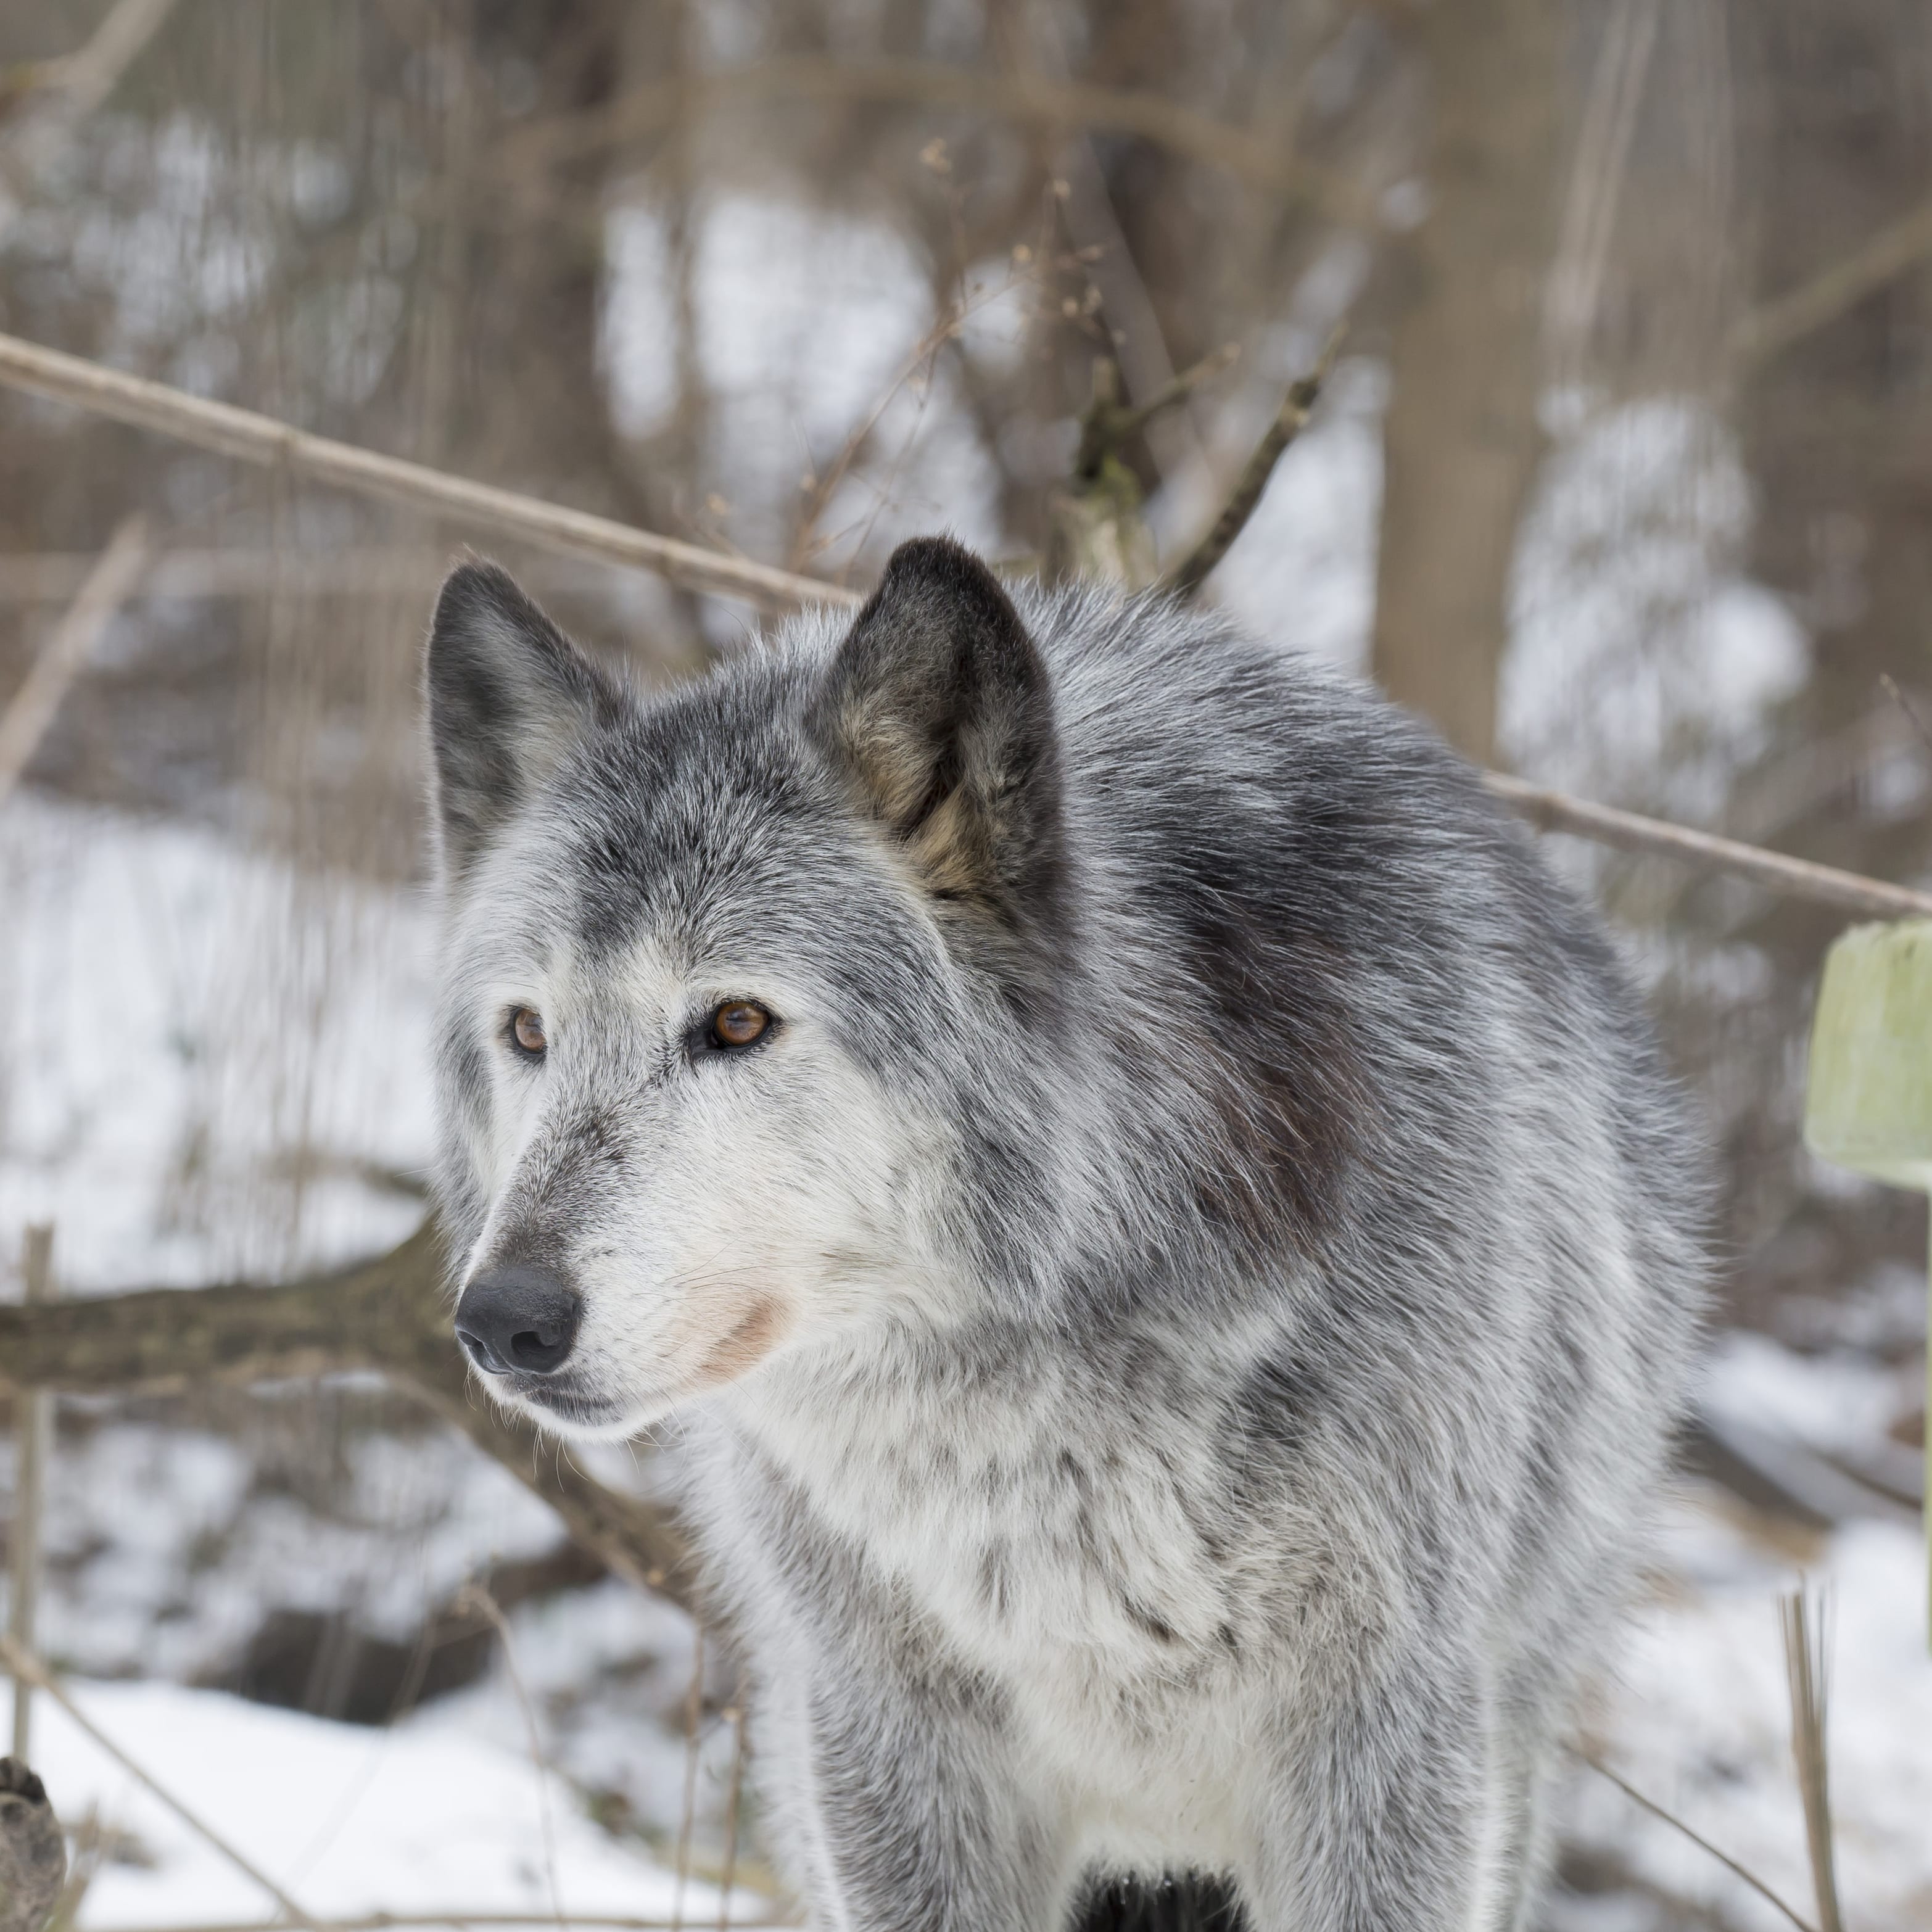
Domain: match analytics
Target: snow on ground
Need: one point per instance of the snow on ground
(165, 1543)
(1699, 1721)
(222, 1049)
(414, 1819)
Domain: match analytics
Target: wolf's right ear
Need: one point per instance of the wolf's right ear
(509, 695)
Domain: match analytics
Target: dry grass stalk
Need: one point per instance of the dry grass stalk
(474, 1596)
(1677, 1824)
(1806, 1667)
(694, 1709)
(736, 1716)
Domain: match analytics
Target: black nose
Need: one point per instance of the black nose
(520, 1319)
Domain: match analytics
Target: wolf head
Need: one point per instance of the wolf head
(736, 985)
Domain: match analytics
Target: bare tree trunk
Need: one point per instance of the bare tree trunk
(1461, 441)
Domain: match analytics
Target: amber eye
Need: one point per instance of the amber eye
(526, 1029)
(738, 1023)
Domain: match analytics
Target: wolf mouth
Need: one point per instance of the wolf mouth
(564, 1405)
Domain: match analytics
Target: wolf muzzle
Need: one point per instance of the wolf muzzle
(520, 1320)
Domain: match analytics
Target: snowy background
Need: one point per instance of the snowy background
(214, 940)
(158, 959)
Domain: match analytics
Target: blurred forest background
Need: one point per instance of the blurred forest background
(1624, 478)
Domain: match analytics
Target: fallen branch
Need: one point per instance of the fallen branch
(217, 426)
(1188, 576)
(389, 1315)
(250, 438)
(32, 709)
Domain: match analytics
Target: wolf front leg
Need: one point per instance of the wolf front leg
(901, 1809)
(1378, 1818)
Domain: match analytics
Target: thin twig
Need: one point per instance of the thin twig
(24, 1663)
(1805, 1664)
(1026, 98)
(693, 1708)
(1188, 576)
(33, 1430)
(944, 328)
(67, 91)
(251, 438)
(1189, 379)
(1906, 705)
(737, 1716)
(1110, 424)
(86, 79)
(25, 722)
(1629, 832)
(473, 1596)
(1766, 332)
(1656, 1810)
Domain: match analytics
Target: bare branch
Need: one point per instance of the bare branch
(31, 710)
(250, 438)
(1796, 878)
(389, 1315)
(1188, 576)
(86, 79)
(1026, 98)
(260, 439)
(1883, 257)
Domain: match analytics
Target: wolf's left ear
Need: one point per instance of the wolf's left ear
(508, 695)
(938, 708)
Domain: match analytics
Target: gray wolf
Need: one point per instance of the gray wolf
(1164, 1233)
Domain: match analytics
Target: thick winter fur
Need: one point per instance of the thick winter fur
(1172, 1330)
